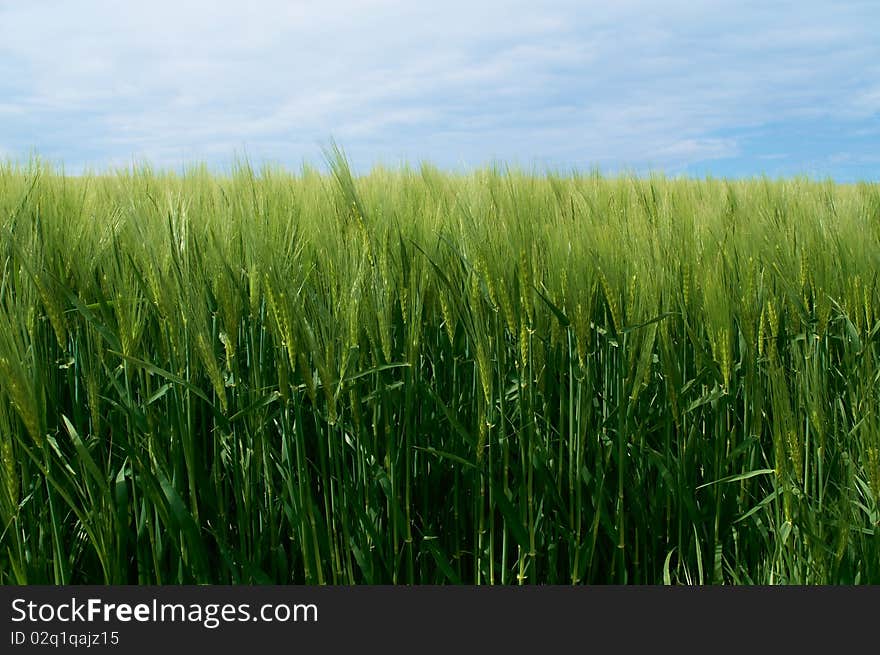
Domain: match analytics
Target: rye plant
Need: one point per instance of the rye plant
(422, 377)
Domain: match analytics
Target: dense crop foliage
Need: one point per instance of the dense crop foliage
(420, 377)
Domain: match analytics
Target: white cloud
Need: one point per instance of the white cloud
(625, 83)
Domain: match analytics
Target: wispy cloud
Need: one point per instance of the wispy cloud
(625, 84)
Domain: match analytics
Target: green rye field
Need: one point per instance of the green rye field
(420, 377)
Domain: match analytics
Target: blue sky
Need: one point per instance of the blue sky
(721, 88)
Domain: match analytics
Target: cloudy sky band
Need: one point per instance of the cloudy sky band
(732, 88)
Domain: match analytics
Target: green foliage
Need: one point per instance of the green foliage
(420, 377)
